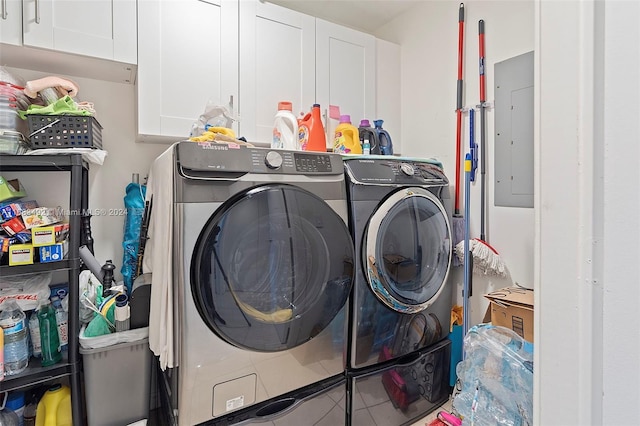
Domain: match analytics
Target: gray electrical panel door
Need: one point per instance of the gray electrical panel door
(514, 132)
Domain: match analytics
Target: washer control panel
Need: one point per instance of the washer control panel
(306, 162)
(221, 160)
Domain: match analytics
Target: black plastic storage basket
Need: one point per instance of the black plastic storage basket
(64, 131)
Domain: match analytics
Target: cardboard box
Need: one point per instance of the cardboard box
(11, 210)
(48, 235)
(11, 190)
(512, 307)
(41, 216)
(13, 226)
(20, 254)
(53, 252)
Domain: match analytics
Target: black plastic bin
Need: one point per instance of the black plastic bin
(64, 131)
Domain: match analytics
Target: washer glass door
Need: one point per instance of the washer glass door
(272, 268)
(407, 250)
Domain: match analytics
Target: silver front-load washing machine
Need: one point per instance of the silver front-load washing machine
(263, 270)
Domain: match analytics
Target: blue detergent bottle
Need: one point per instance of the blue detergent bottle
(386, 146)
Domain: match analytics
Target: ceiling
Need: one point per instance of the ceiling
(363, 15)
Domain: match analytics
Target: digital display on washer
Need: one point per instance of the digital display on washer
(312, 162)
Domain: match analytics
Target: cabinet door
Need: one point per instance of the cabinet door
(11, 22)
(388, 90)
(345, 73)
(277, 63)
(187, 56)
(99, 28)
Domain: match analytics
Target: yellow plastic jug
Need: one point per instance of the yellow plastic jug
(54, 408)
(346, 139)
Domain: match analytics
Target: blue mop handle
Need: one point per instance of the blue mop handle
(473, 146)
(467, 258)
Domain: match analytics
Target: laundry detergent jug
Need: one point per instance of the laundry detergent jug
(311, 135)
(386, 146)
(367, 133)
(285, 128)
(346, 139)
(54, 408)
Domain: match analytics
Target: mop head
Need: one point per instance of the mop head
(486, 259)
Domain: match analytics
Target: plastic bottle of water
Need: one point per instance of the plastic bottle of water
(34, 332)
(16, 402)
(61, 320)
(16, 346)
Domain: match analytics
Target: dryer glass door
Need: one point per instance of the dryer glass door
(407, 250)
(272, 268)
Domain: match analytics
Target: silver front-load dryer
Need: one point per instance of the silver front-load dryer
(264, 267)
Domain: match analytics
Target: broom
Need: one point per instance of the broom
(458, 219)
(486, 259)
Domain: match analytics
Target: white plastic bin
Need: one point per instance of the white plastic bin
(117, 380)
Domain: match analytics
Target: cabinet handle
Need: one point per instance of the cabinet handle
(37, 11)
(231, 101)
(4, 9)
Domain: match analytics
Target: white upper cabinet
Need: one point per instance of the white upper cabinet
(11, 22)
(345, 73)
(277, 63)
(99, 28)
(187, 56)
(388, 90)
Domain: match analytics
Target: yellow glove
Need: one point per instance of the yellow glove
(210, 134)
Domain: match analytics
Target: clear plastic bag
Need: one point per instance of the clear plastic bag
(496, 377)
(27, 289)
(214, 115)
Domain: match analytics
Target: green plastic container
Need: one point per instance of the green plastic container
(50, 341)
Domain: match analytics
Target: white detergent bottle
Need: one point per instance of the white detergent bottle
(285, 128)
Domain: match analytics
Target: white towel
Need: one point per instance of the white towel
(158, 257)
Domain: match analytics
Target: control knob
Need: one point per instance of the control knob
(407, 169)
(273, 160)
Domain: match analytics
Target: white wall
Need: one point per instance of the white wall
(620, 203)
(115, 106)
(587, 138)
(428, 36)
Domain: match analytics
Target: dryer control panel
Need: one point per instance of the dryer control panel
(395, 172)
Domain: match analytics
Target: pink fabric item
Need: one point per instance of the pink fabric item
(63, 86)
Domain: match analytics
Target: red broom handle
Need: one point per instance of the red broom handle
(459, 106)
